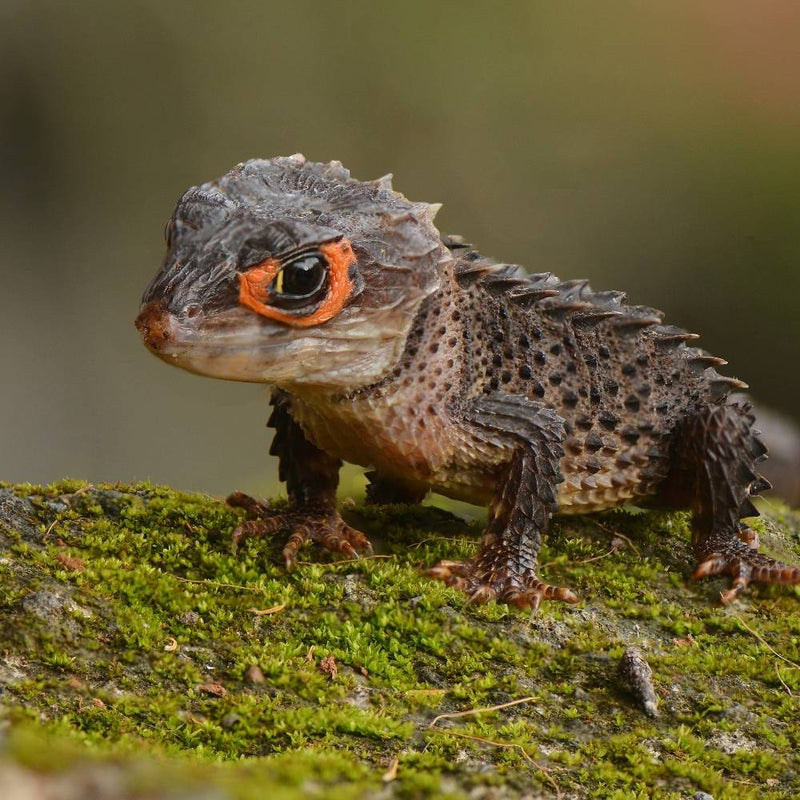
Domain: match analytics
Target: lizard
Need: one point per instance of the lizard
(394, 347)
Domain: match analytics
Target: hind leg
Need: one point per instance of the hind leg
(714, 473)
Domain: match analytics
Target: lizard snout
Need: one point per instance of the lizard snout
(156, 325)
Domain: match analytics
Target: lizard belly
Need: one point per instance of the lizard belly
(609, 480)
(477, 480)
(581, 492)
(400, 441)
(418, 447)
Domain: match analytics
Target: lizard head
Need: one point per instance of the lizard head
(290, 272)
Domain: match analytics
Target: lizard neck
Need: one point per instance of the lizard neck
(400, 424)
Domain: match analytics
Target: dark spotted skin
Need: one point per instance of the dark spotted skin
(539, 412)
(447, 371)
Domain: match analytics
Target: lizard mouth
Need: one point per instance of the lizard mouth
(220, 345)
(236, 344)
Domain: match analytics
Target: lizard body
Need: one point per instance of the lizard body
(414, 355)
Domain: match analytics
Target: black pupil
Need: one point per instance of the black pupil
(301, 278)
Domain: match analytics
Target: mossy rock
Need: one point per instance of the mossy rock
(141, 657)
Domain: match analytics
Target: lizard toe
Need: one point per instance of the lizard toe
(444, 569)
(297, 538)
(318, 524)
(536, 591)
(744, 564)
(257, 529)
(335, 536)
(334, 542)
(451, 573)
(482, 593)
(484, 585)
(256, 508)
(358, 540)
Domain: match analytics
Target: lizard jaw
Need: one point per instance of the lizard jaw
(238, 345)
(213, 345)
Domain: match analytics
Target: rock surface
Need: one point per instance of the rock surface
(139, 658)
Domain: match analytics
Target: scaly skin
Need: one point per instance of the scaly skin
(397, 349)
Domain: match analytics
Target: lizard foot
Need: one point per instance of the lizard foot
(740, 560)
(323, 526)
(483, 585)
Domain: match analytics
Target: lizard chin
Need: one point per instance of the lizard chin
(356, 349)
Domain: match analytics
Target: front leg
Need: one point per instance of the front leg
(311, 477)
(505, 566)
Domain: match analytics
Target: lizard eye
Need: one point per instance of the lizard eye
(306, 289)
(299, 282)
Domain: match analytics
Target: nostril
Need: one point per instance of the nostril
(192, 311)
(155, 324)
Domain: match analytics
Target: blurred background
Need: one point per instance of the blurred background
(652, 147)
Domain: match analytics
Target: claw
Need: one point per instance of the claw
(293, 544)
(483, 593)
(445, 572)
(357, 539)
(321, 525)
(485, 585)
(563, 594)
(545, 591)
(367, 548)
(737, 587)
(348, 549)
(744, 564)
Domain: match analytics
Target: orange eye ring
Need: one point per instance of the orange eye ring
(254, 283)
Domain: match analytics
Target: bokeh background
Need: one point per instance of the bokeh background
(652, 147)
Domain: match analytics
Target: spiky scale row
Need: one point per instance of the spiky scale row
(575, 302)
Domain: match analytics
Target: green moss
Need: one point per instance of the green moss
(132, 627)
